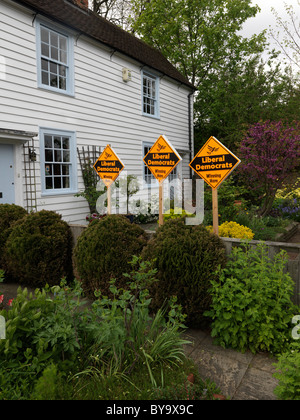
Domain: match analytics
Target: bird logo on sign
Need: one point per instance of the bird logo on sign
(212, 149)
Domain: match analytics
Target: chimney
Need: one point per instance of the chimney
(82, 3)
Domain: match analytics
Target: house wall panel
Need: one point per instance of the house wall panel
(103, 110)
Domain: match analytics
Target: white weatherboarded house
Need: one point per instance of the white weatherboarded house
(71, 83)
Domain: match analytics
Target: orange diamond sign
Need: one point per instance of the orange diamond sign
(108, 166)
(214, 162)
(162, 158)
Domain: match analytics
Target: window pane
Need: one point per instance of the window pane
(53, 80)
(57, 182)
(53, 67)
(57, 155)
(45, 78)
(45, 64)
(54, 53)
(45, 35)
(57, 169)
(48, 155)
(57, 142)
(66, 156)
(45, 50)
(65, 169)
(65, 141)
(62, 83)
(49, 184)
(48, 141)
(63, 43)
(66, 182)
(48, 169)
(54, 39)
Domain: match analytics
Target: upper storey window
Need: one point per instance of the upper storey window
(150, 95)
(55, 60)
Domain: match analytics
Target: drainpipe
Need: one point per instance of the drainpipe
(190, 131)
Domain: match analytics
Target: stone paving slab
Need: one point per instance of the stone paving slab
(240, 376)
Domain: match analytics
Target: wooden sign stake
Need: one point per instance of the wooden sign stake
(215, 211)
(109, 199)
(161, 216)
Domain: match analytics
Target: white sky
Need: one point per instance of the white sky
(266, 18)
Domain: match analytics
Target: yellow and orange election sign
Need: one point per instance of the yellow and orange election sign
(214, 162)
(161, 158)
(108, 166)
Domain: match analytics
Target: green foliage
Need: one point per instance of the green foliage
(90, 192)
(38, 249)
(228, 193)
(200, 390)
(288, 374)
(46, 386)
(56, 348)
(186, 258)
(41, 329)
(175, 213)
(125, 334)
(103, 251)
(251, 304)
(9, 213)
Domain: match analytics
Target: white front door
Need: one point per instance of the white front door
(7, 179)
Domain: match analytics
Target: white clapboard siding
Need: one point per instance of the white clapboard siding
(103, 110)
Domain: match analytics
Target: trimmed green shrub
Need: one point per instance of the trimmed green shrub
(38, 250)
(104, 250)
(186, 258)
(9, 213)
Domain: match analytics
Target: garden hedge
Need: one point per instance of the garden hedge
(186, 258)
(9, 213)
(104, 250)
(38, 250)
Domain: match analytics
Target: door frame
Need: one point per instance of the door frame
(17, 139)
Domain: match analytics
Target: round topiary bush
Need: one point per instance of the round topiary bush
(9, 213)
(38, 250)
(186, 258)
(104, 250)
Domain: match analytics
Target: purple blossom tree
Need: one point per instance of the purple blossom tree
(269, 154)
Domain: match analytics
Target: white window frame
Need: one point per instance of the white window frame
(72, 163)
(69, 65)
(147, 75)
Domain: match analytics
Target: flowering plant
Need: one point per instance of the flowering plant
(2, 296)
(269, 153)
(94, 216)
(234, 230)
(288, 209)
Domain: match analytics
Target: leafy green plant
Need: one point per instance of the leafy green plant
(186, 258)
(43, 328)
(38, 249)
(175, 213)
(200, 390)
(288, 374)
(103, 251)
(126, 335)
(251, 304)
(90, 192)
